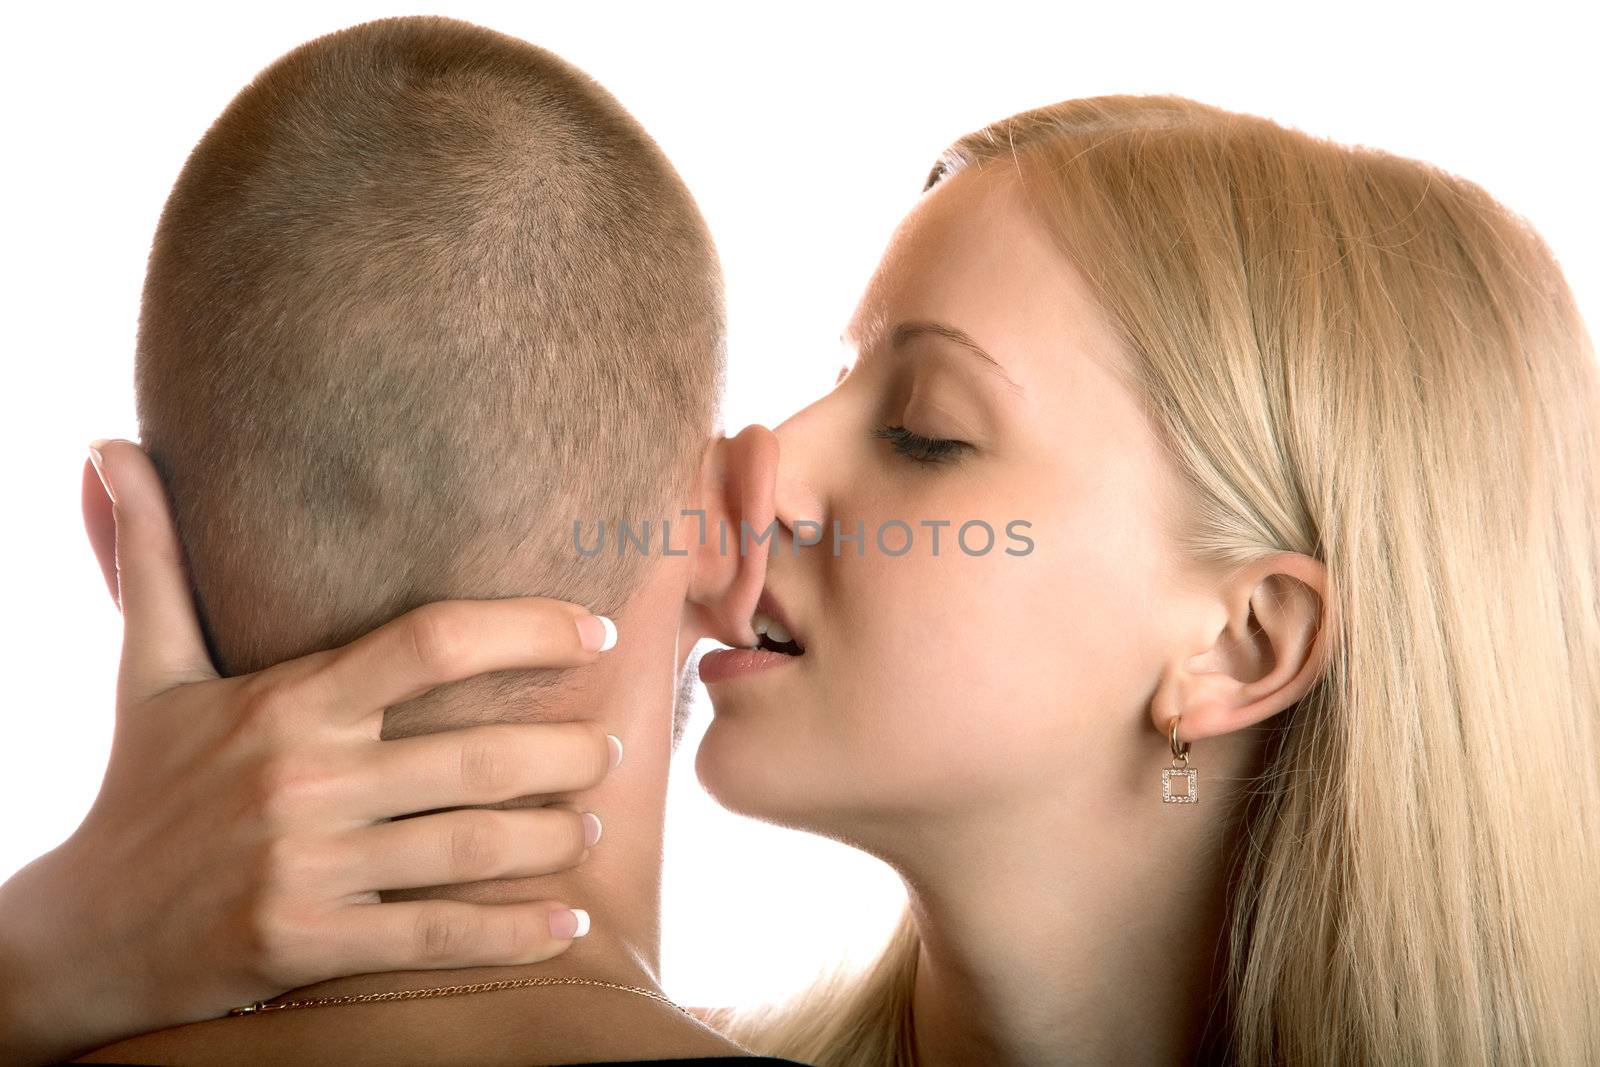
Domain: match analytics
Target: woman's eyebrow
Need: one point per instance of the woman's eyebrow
(907, 331)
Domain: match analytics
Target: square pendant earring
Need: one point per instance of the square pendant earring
(1179, 782)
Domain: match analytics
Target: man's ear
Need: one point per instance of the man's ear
(738, 479)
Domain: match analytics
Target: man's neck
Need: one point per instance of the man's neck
(630, 691)
(619, 885)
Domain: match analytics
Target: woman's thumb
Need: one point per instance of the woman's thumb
(161, 641)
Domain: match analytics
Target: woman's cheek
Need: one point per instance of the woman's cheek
(957, 687)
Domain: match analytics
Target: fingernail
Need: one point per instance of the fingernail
(591, 829)
(568, 923)
(616, 749)
(99, 464)
(596, 632)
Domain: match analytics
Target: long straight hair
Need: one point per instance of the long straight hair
(1365, 359)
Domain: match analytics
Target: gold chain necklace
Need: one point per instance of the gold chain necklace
(451, 990)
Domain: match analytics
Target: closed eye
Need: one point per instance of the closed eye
(921, 449)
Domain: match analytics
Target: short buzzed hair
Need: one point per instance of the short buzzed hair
(422, 296)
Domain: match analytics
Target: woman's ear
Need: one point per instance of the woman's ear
(1273, 645)
(730, 542)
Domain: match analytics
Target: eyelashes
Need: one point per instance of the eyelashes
(918, 448)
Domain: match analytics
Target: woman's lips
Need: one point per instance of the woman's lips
(726, 663)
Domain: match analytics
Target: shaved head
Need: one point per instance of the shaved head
(423, 295)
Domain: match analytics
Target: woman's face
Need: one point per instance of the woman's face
(989, 673)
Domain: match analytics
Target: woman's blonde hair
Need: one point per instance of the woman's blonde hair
(1365, 359)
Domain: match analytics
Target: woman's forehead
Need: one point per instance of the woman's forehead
(971, 254)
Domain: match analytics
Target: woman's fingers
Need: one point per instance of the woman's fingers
(162, 644)
(452, 847)
(477, 765)
(449, 640)
(427, 934)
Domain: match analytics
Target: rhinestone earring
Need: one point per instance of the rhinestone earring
(1179, 782)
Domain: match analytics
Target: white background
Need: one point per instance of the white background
(805, 132)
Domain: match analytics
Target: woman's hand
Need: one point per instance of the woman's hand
(240, 835)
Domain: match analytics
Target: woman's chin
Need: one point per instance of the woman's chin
(735, 776)
(754, 776)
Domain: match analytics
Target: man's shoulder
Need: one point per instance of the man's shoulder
(194, 1042)
(423, 1032)
(697, 1061)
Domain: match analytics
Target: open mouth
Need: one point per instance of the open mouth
(773, 636)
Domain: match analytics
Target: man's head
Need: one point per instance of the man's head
(422, 296)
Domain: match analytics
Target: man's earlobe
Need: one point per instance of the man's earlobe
(730, 543)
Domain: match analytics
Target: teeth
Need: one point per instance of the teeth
(765, 624)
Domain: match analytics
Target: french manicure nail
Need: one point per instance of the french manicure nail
(568, 923)
(591, 829)
(99, 462)
(597, 633)
(616, 749)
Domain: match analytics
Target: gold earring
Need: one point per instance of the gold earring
(1179, 782)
